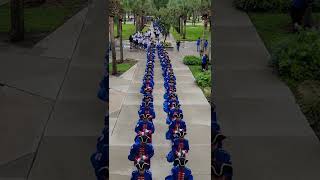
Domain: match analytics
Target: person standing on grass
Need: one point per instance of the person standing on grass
(178, 45)
(297, 12)
(198, 44)
(204, 62)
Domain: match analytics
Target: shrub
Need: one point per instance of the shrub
(192, 60)
(166, 44)
(309, 99)
(298, 58)
(203, 79)
(262, 5)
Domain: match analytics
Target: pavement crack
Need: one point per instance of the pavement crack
(27, 92)
(17, 159)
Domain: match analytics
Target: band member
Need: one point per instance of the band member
(175, 126)
(142, 172)
(217, 136)
(141, 150)
(144, 127)
(147, 110)
(180, 145)
(174, 114)
(180, 172)
(221, 164)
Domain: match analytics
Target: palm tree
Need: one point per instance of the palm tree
(17, 20)
(114, 10)
(120, 35)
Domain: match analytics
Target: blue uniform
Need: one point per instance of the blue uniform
(206, 44)
(168, 103)
(222, 165)
(174, 126)
(172, 113)
(104, 89)
(198, 45)
(141, 127)
(100, 158)
(137, 176)
(139, 149)
(204, 60)
(147, 110)
(180, 173)
(178, 144)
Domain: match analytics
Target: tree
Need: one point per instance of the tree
(125, 4)
(114, 6)
(140, 9)
(120, 35)
(166, 20)
(160, 3)
(206, 16)
(17, 20)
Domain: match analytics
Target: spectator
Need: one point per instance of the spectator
(206, 45)
(198, 44)
(131, 41)
(178, 45)
(298, 9)
(204, 62)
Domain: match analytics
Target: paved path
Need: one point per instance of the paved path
(50, 115)
(122, 122)
(269, 138)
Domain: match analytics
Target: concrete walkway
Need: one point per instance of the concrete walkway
(50, 114)
(269, 138)
(122, 122)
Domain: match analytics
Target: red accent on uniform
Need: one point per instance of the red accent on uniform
(142, 150)
(181, 174)
(181, 145)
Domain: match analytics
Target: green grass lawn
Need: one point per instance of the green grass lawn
(127, 30)
(196, 70)
(193, 33)
(273, 27)
(43, 18)
(121, 68)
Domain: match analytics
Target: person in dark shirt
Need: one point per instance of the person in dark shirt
(198, 44)
(131, 41)
(204, 62)
(206, 43)
(178, 45)
(298, 9)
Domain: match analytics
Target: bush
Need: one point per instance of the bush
(166, 44)
(309, 99)
(204, 79)
(262, 5)
(298, 58)
(192, 60)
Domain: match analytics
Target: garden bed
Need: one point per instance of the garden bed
(203, 78)
(296, 58)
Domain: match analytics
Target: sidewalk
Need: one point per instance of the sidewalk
(196, 112)
(50, 114)
(268, 136)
